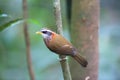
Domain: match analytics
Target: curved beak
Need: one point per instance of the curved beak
(38, 32)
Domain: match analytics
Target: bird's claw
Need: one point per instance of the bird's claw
(63, 59)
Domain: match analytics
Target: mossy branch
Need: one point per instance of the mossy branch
(63, 59)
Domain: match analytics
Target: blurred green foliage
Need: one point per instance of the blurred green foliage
(46, 66)
(12, 46)
(4, 26)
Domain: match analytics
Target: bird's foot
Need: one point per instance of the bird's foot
(63, 59)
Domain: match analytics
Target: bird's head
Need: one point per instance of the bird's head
(46, 33)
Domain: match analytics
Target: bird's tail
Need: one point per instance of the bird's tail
(80, 60)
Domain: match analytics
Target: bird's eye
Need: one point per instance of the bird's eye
(44, 32)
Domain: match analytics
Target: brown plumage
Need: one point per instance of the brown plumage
(58, 44)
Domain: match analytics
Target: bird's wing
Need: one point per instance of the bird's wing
(67, 49)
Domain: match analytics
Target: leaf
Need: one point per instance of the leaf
(8, 24)
(4, 15)
(34, 21)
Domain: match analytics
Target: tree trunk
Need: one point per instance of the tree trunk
(84, 36)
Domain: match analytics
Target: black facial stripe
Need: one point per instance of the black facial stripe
(44, 32)
(47, 32)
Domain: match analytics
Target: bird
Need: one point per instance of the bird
(59, 45)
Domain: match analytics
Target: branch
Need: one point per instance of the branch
(63, 59)
(26, 35)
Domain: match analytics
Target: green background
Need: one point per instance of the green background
(46, 65)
